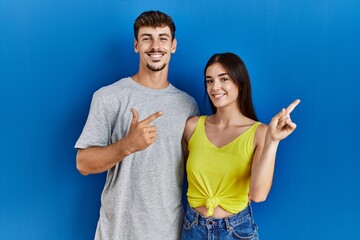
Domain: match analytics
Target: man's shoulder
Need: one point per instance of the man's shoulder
(119, 84)
(113, 88)
(182, 93)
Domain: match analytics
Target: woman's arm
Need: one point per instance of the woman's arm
(267, 139)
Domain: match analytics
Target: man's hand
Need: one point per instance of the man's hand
(141, 134)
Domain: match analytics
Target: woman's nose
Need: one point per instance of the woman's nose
(216, 85)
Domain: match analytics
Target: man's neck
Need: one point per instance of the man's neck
(151, 79)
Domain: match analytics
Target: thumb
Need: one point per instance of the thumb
(275, 120)
(135, 117)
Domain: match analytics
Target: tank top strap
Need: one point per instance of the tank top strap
(201, 121)
(200, 126)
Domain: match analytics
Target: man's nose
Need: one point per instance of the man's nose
(155, 44)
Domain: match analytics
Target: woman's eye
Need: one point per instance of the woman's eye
(209, 81)
(224, 79)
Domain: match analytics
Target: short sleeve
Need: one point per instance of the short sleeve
(195, 109)
(97, 129)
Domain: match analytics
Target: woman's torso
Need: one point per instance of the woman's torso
(219, 169)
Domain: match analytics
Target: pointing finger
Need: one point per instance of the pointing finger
(292, 106)
(152, 117)
(135, 116)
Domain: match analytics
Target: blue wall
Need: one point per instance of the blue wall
(55, 54)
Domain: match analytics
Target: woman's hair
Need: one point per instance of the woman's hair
(236, 69)
(154, 19)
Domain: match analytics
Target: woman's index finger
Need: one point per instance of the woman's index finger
(292, 106)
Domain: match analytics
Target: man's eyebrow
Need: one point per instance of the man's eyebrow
(164, 34)
(146, 35)
(150, 35)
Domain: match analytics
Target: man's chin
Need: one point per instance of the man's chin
(156, 68)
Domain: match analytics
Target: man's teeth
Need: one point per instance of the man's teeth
(156, 55)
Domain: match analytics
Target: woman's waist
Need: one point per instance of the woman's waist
(219, 207)
(218, 212)
(234, 219)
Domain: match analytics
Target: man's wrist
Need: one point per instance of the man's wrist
(126, 147)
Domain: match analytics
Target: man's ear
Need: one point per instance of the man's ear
(173, 47)
(136, 46)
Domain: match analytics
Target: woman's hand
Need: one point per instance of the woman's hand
(281, 125)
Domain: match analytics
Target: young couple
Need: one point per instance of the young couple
(141, 128)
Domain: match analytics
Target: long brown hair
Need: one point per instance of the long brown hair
(239, 74)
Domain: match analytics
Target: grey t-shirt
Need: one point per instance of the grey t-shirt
(142, 195)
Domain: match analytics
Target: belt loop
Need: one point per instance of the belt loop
(251, 214)
(196, 218)
(250, 210)
(227, 224)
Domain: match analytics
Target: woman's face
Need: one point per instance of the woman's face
(221, 89)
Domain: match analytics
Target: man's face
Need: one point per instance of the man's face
(155, 46)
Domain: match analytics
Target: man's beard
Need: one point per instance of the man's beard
(156, 69)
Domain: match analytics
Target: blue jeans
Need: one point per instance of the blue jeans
(239, 226)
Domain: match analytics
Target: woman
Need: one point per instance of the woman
(231, 156)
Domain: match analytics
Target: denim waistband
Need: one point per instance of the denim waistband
(227, 222)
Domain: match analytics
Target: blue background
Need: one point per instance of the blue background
(55, 54)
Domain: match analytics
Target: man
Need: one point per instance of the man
(134, 131)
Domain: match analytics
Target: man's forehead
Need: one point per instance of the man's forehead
(154, 31)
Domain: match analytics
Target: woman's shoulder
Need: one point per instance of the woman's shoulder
(260, 133)
(191, 122)
(261, 128)
(190, 126)
(193, 119)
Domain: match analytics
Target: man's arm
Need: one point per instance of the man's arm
(99, 159)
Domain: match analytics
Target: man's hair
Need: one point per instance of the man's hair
(154, 19)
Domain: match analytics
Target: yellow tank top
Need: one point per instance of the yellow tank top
(219, 176)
